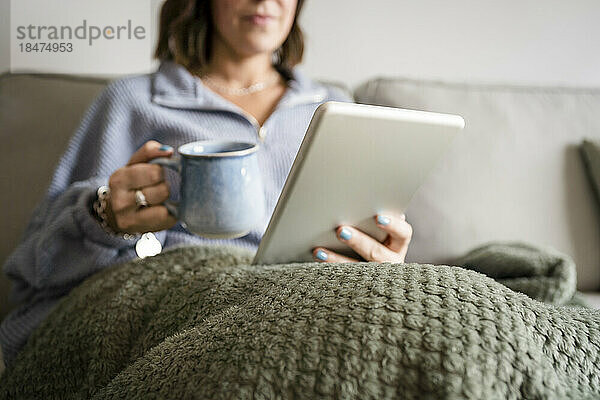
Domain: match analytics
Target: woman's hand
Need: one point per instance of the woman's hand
(123, 213)
(392, 249)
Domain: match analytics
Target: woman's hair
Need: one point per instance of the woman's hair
(186, 30)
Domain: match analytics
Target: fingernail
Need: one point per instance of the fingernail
(345, 234)
(165, 147)
(321, 255)
(383, 220)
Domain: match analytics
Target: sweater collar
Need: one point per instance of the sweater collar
(174, 86)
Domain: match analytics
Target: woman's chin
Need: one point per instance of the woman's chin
(257, 48)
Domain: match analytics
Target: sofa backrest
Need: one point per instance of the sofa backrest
(515, 173)
(38, 115)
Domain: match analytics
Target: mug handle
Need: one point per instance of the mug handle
(174, 164)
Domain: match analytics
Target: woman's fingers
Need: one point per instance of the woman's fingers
(136, 176)
(150, 150)
(324, 255)
(155, 194)
(123, 212)
(149, 219)
(366, 246)
(128, 217)
(123, 200)
(399, 232)
(393, 249)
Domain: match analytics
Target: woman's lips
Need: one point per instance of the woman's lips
(259, 20)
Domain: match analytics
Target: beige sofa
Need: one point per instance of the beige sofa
(515, 173)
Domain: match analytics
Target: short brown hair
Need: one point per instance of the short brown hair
(186, 30)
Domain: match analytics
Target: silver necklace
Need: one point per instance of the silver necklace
(256, 87)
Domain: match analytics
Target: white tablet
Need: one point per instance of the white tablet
(355, 161)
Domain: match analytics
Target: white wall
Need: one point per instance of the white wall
(517, 41)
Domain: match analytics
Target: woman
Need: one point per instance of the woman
(227, 72)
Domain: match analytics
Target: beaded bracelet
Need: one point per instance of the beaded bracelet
(99, 207)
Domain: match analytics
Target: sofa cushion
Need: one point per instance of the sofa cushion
(513, 174)
(38, 115)
(590, 151)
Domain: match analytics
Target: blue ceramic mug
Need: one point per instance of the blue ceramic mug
(221, 192)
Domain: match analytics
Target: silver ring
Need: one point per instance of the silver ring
(140, 199)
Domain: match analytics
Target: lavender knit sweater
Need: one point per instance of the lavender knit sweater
(64, 244)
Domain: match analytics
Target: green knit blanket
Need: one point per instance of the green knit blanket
(201, 323)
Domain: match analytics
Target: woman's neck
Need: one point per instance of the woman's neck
(236, 70)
